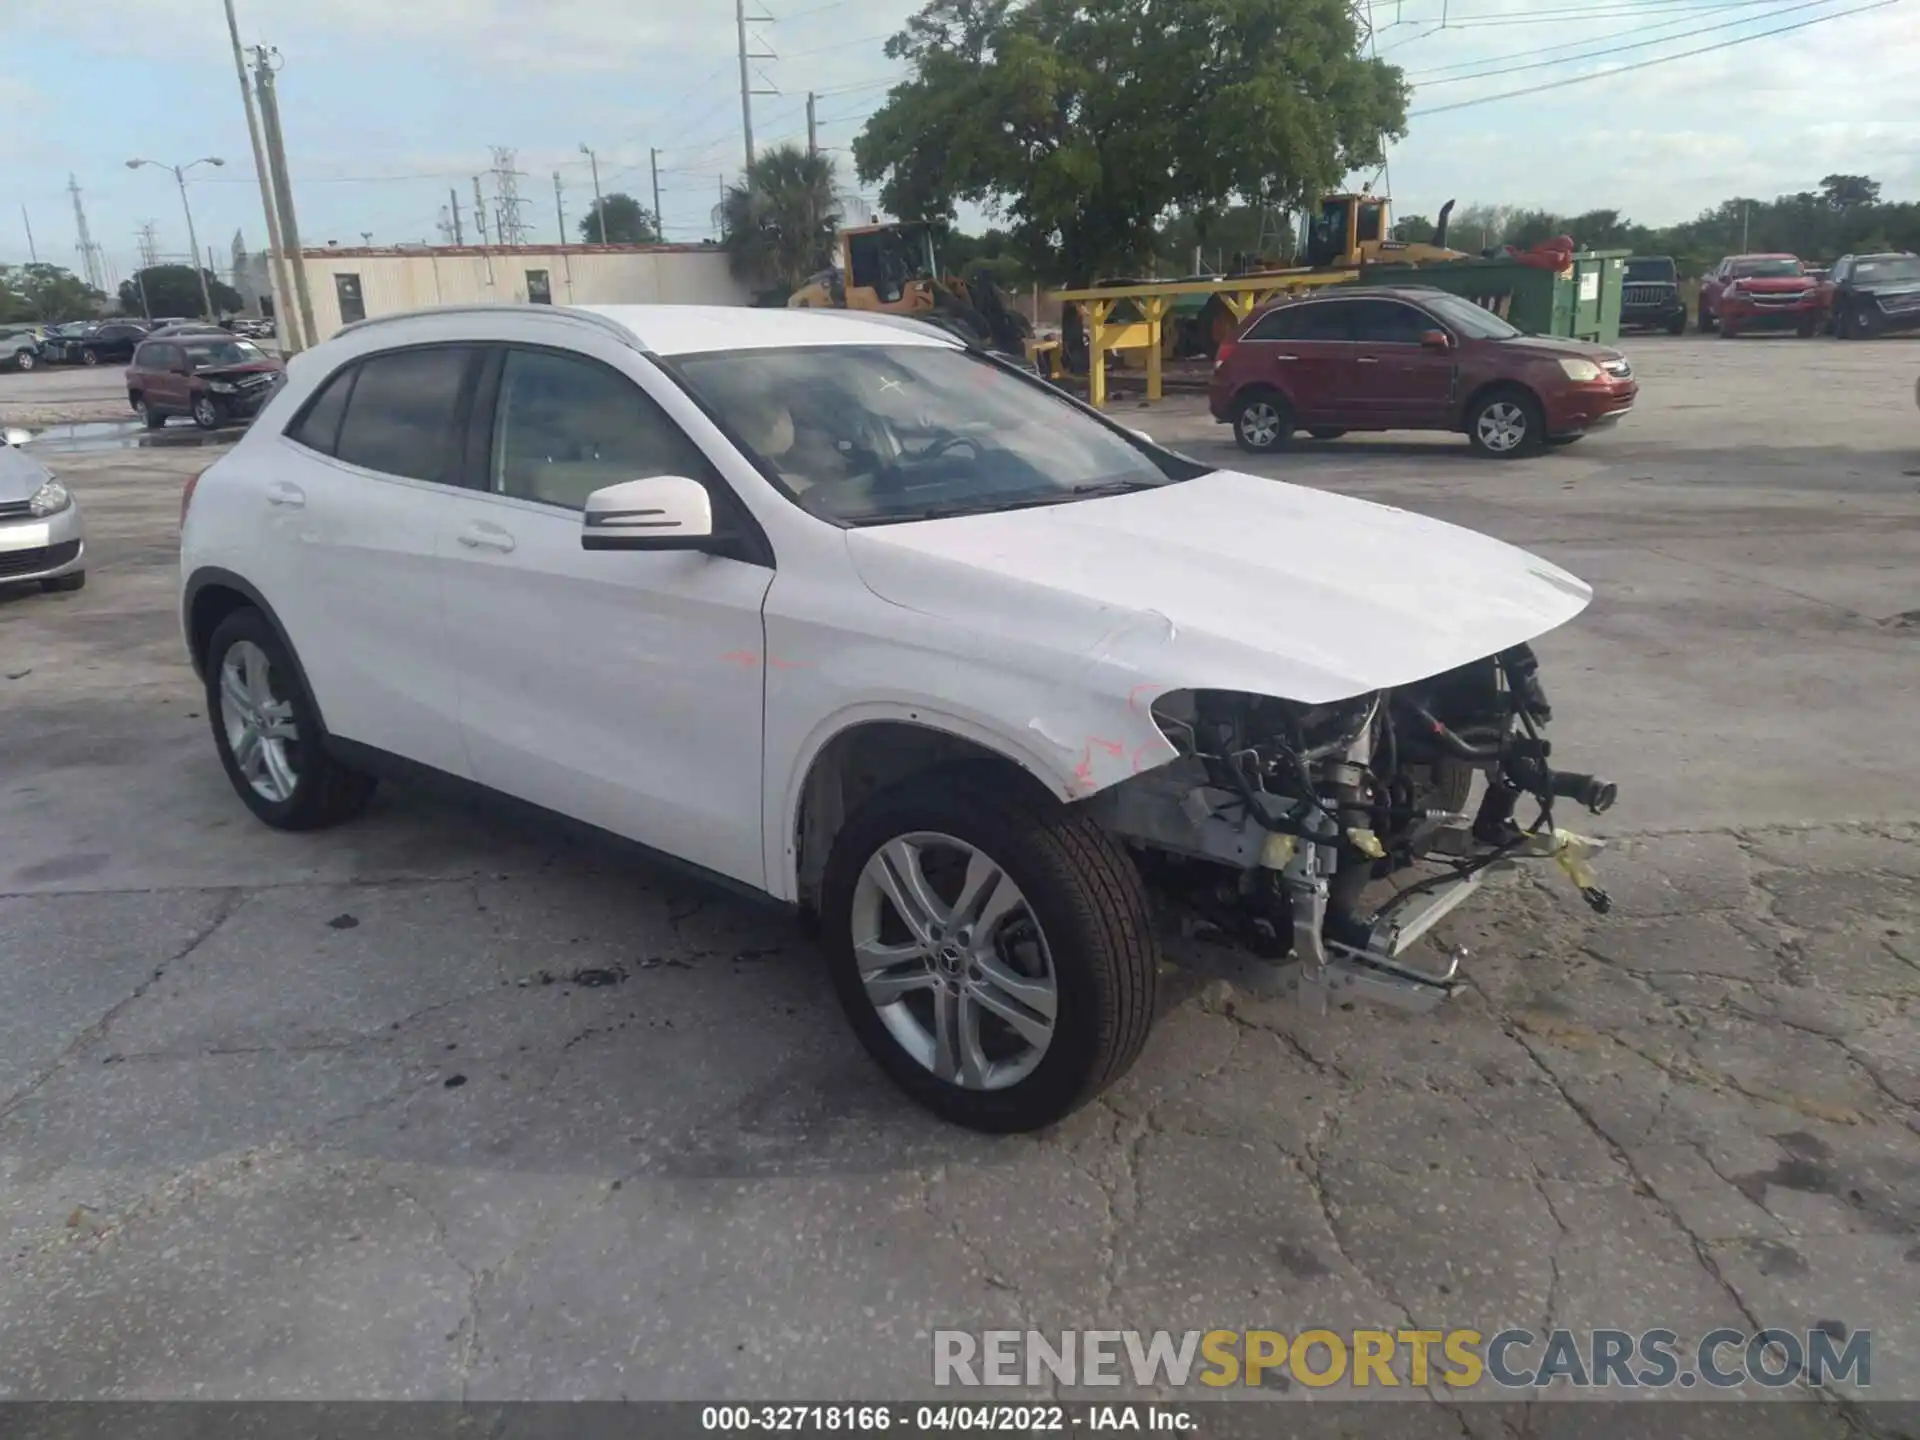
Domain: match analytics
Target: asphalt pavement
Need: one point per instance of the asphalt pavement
(441, 1106)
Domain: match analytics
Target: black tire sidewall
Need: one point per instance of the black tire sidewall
(1263, 396)
(1087, 1021)
(213, 411)
(296, 810)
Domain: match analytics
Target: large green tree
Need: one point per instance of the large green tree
(628, 222)
(1086, 123)
(778, 221)
(47, 294)
(175, 290)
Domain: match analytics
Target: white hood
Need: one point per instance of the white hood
(1228, 581)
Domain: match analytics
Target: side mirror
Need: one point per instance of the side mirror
(17, 437)
(662, 512)
(1436, 340)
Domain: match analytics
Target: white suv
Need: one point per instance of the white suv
(841, 611)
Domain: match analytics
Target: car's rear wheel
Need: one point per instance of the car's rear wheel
(991, 948)
(1860, 324)
(1506, 424)
(268, 732)
(1325, 432)
(149, 417)
(1678, 324)
(1262, 422)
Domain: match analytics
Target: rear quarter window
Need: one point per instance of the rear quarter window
(318, 426)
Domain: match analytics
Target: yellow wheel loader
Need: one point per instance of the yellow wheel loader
(892, 270)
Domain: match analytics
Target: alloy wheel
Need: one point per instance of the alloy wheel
(258, 722)
(965, 985)
(1502, 426)
(1260, 424)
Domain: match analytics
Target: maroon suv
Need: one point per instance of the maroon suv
(217, 379)
(1412, 358)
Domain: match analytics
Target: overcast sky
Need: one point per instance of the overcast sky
(388, 103)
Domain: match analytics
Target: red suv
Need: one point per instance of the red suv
(1412, 358)
(217, 379)
(1762, 292)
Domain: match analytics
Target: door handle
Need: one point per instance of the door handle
(290, 496)
(485, 537)
(1286, 357)
(1366, 360)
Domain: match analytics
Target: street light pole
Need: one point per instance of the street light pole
(193, 240)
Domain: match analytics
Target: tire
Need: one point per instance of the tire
(1077, 921)
(1678, 324)
(307, 789)
(149, 417)
(1808, 331)
(1860, 325)
(1729, 331)
(25, 361)
(1325, 432)
(1506, 423)
(77, 580)
(1262, 422)
(206, 412)
(89, 357)
(1564, 439)
(1705, 321)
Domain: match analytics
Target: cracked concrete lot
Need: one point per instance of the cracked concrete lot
(440, 1105)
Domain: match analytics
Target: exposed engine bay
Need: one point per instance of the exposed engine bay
(1276, 817)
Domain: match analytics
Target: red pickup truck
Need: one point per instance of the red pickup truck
(1762, 292)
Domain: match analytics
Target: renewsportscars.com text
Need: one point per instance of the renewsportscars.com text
(1512, 1359)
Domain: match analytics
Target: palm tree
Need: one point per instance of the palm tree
(779, 220)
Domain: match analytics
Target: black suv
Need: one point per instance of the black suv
(1650, 296)
(1872, 294)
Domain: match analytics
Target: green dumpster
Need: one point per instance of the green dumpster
(1582, 303)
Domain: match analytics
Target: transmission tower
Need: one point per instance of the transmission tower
(509, 228)
(149, 249)
(90, 259)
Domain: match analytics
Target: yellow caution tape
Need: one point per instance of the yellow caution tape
(1367, 843)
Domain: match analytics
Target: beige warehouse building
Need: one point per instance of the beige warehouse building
(358, 283)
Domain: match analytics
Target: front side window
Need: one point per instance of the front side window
(866, 434)
(1388, 322)
(401, 416)
(566, 427)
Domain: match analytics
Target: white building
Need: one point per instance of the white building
(354, 283)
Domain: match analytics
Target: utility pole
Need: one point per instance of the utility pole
(453, 198)
(33, 255)
(559, 209)
(659, 225)
(193, 240)
(599, 208)
(813, 145)
(1746, 211)
(366, 238)
(747, 92)
(282, 184)
(479, 212)
(89, 252)
(283, 304)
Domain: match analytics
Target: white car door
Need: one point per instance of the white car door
(621, 688)
(357, 500)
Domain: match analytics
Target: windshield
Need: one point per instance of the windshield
(1468, 318)
(1650, 271)
(1766, 269)
(1881, 272)
(205, 354)
(865, 435)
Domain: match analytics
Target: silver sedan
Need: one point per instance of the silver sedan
(42, 536)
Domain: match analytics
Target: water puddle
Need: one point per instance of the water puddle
(92, 436)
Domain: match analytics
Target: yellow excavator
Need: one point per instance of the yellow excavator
(892, 270)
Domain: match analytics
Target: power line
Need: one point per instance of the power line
(1500, 67)
(1648, 64)
(1479, 60)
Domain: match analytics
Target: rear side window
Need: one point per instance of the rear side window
(319, 428)
(1323, 320)
(402, 415)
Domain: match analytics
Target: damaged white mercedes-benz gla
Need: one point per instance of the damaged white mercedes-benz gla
(839, 611)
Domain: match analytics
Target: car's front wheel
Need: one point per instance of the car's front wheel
(1678, 324)
(89, 357)
(268, 732)
(1705, 320)
(26, 360)
(1262, 422)
(206, 414)
(1506, 424)
(991, 948)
